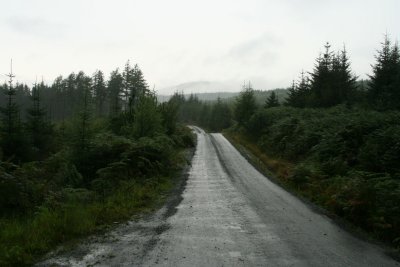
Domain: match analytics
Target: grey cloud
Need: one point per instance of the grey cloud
(260, 50)
(35, 26)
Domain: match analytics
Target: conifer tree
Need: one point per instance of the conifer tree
(384, 92)
(140, 86)
(115, 90)
(38, 127)
(148, 120)
(12, 142)
(127, 86)
(272, 101)
(321, 80)
(220, 116)
(85, 113)
(245, 105)
(100, 93)
(332, 81)
(344, 81)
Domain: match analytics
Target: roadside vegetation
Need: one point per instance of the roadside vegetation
(81, 155)
(335, 139)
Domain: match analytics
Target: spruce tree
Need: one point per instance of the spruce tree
(344, 81)
(128, 87)
(134, 85)
(12, 142)
(100, 93)
(300, 93)
(384, 92)
(39, 129)
(140, 86)
(85, 113)
(322, 92)
(332, 81)
(148, 120)
(245, 105)
(272, 101)
(220, 116)
(115, 90)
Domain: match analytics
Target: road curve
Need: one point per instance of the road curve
(232, 215)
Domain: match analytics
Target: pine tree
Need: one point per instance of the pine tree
(321, 80)
(100, 93)
(272, 101)
(127, 86)
(220, 116)
(245, 105)
(134, 86)
(344, 81)
(12, 141)
(115, 90)
(59, 101)
(40, 131)
(85, 114)
(384, 92)
(71, 99)
(140, 86)
(148, 120)
(299, 94)
(332, 81)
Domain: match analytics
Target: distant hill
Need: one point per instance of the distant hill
(229, 97)
(200, 87)
(262, 95)
(203, 96)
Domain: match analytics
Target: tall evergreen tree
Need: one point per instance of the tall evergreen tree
(384, 92)
(344, 81)
(100, 93)
(272, 101)
(39, 129)
(220, 116)
(148, 120)
(332, 81)
(322, 91)
(115, 90)
(128, 86)
(140, 86)
(85, 114)
(134, 85)
(245, 105)
(12, 142)
(70, 95)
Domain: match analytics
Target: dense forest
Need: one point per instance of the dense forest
(335, 139)
(79, 155)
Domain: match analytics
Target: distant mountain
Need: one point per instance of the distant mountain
(203, 96)
(200, 87)
(229, 97)
(262, 95)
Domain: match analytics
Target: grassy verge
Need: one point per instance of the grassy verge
(24, 240)
(333, 195)
(279, 169)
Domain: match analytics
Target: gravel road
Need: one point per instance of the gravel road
(229, 215)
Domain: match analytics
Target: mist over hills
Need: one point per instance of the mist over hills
(210, 91)
(201, 87)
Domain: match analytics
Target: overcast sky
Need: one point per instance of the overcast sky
(176, 41)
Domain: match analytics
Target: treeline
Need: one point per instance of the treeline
(332, 82)
(334, 139)
(213, 116)
(87, 153)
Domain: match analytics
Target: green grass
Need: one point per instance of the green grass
(24, 240)
(367, 203)
(278, 167)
